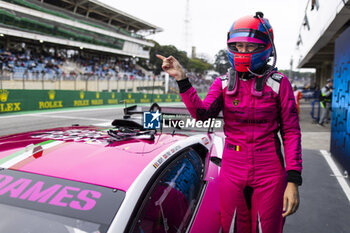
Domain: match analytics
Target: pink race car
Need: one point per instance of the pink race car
(124, 179)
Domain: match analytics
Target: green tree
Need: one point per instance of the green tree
(221, 63)
(198, 66)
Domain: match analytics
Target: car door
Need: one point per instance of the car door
(172, 200)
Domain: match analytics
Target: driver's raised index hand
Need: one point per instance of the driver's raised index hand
(172, 67)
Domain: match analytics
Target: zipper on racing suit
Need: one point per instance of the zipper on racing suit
(250, 143)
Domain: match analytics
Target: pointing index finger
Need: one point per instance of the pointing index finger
(161, 57)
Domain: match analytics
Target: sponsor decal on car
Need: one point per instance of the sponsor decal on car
(59, 196)
(205, 140)
(158, 163)
(27, 189)
(166, 155)
(27, 154)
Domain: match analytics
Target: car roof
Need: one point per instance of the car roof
(82, 154)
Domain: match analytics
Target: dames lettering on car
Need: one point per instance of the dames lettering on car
(58, 195)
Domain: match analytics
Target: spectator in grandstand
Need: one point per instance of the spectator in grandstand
(326, 100)
(52, 64)
(256, 191)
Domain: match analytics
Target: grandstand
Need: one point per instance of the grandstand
(71, 39)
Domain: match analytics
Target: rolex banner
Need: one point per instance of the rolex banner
(26, 100)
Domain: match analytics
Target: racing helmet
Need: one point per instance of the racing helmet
(257, 34)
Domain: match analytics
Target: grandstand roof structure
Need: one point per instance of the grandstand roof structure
(83, 24)
(321, 26)
(99, 11)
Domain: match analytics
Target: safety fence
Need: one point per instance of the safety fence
(86, 84)
(315, 110)
(27, 100)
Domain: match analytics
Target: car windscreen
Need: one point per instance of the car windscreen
(46, 204)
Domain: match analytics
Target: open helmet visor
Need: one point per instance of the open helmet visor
(247, 35)
(250, 47)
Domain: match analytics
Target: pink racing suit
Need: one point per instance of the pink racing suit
(253, 175)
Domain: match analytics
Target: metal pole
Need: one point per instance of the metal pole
(60, 81)
(149, 86)
(98, 83)
(133, 84)
(154, 79)
(125, 83)
(1, 74)
(86, 83)
(23, 82)
(75, 83)
(42, 79)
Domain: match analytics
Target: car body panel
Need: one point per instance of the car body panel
(136, 189)
(58, 196)
(81, 160)
(208, 214)
(87, 154)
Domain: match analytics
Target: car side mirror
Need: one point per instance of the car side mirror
(216, 161)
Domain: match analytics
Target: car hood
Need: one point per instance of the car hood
(82, 154)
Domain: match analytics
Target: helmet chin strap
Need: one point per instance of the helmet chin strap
(259, 15)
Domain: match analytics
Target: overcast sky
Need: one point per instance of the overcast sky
(211, 19)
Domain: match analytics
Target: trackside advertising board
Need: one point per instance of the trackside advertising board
(26, 100)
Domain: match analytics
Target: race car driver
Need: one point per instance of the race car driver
(258, 188)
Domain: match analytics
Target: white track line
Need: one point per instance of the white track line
(104, 124)
(59, 111)
(74, 110)
(343, 184)
(75, 118)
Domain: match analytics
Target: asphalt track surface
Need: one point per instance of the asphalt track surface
(37, 120)
(324, 195)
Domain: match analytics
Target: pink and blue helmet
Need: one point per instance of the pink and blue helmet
(249, 29)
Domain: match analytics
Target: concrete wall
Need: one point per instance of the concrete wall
(318, 31)
(318, 28)
(324, 72)
(91, 85)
